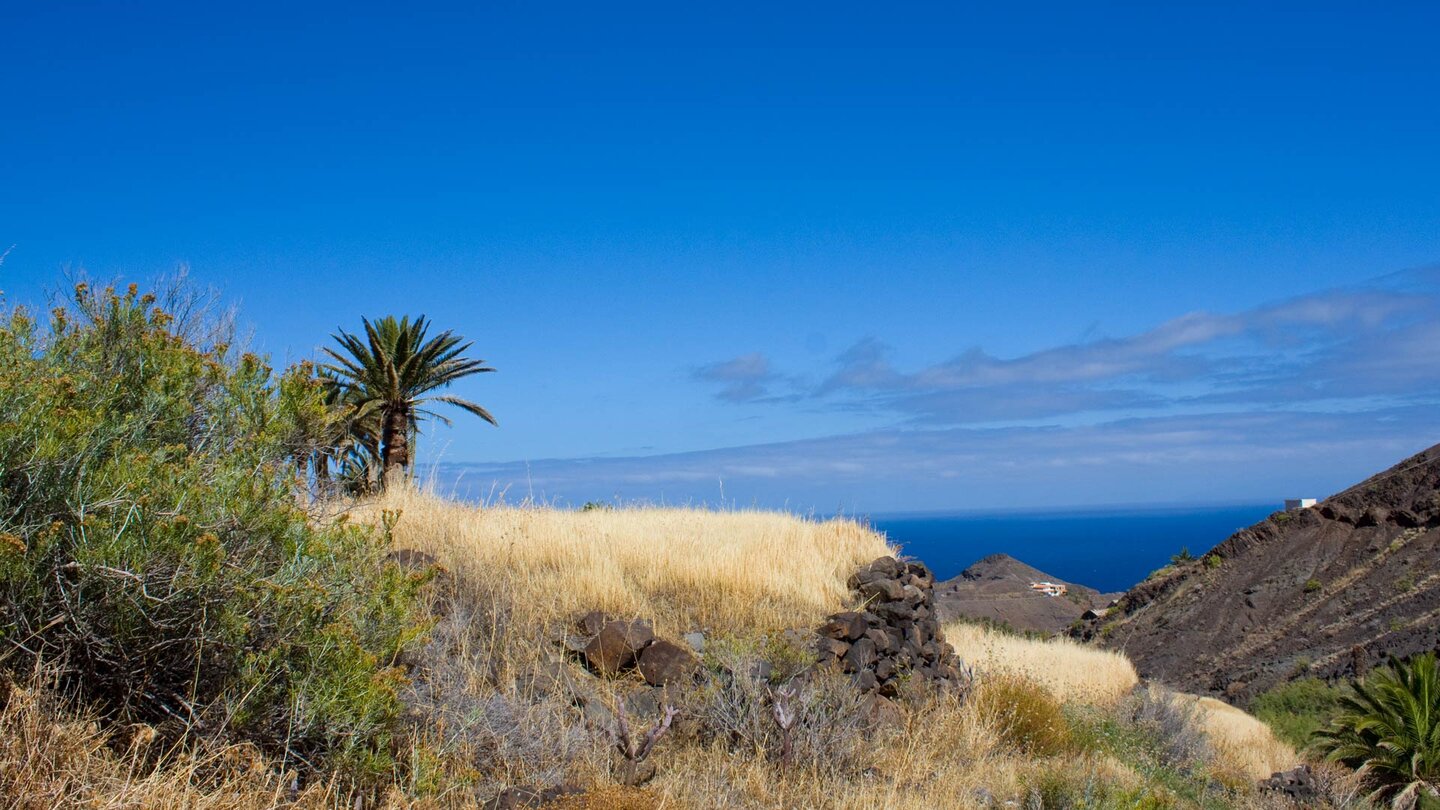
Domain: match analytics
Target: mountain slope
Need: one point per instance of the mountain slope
(997, 588)
(1326, 591)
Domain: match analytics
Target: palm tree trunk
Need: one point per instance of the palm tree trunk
(322, 471)
(394, 438)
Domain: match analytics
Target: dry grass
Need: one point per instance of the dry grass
(52, 758)
(682, 568)
(1073, 672)
(1243, 743)
(517, 573)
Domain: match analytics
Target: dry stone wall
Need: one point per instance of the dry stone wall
(892, 640)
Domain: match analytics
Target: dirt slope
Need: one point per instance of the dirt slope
(997, 588)
(1325, 591)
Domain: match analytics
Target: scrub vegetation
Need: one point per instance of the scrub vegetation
(195, 616)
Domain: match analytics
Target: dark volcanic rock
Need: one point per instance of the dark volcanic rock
(1324, 591)
(613, 649)
(1297, 784)
(592, 623)
(664, 662)
(844, 626)
(896, 641)
(860, 655)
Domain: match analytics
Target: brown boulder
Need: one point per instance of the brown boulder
(881, 713)
(831, 647)
(844, 626)
(613, 649)
(861, 655)
(895, 611)
(664, 663)
(592, 623)
(885, 590)
(884, 642)
(865, 680)
(886, 566)
(918, 575)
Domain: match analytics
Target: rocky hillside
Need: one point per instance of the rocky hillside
(997, 589)
(1325, 591)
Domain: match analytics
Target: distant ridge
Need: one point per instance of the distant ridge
(998, 589)
(1327, 591)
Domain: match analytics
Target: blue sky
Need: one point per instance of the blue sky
(899, 257)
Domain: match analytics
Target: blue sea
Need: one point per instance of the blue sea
(1106, 549)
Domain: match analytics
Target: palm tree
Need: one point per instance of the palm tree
(1389, 729)
(390, 371)
(349, 432)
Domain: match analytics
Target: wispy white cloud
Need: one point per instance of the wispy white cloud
(747, 378)
(1360, 343)
(1302, 396)
(1215, 456)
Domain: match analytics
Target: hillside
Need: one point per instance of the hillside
(511, 709)
(1325, 591)
(997, 589)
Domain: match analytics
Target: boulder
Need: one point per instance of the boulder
(614, 648)
(884, 642)
(861, 577)
(696, 640)
(592, 623)
(919, 575)
(831, 648)
(885, 590)
(645, 702)
(1297, 784)
(881, 713)
(861, 655)
(895, 611)
(886, 567)
(663, 663)
(844, 626)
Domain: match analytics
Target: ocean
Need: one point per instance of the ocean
(1106, 549)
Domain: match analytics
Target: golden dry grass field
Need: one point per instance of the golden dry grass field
(1053, 722)
(681, 568)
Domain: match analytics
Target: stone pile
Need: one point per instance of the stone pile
(893, 638)
(1297, 784)
(612, 647)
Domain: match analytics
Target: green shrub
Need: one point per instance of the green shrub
(1312, 585)
(1389, 728)
(1027, 717)
(1296, 710)
(1213, 561)
(156, 555)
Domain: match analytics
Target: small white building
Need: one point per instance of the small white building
(1291, 504)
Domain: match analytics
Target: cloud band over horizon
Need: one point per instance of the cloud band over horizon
(1301, 396)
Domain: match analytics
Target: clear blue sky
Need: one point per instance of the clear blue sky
(885, 256)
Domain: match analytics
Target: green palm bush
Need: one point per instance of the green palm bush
(1389, 729)
(155, 553)
(389, 373)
